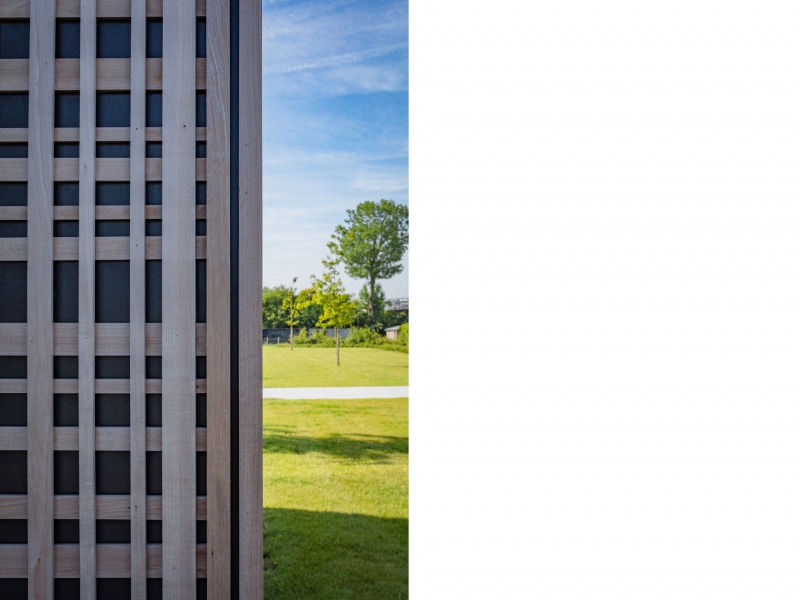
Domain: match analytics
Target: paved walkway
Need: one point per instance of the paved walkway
(336, 393)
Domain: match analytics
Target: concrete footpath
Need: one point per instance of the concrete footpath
(336, 393)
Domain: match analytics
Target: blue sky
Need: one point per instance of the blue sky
(335, 81)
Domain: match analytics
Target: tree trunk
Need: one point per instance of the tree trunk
(291, 337)
(371, 303)
(337, 346)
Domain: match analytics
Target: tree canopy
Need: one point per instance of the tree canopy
(371, 244)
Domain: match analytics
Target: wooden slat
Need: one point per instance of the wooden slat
(101, 386)
(218, 400)
(67, 134)
(65, 248)
(14, 75)
(106, 248)
(155, 565)
(86, 295)
(178, 303)
(65, 213)
(154, 508)
(65, 386)
(13, 169)
(41, 97)
(155, 78)
(13, 249)
(14, 563)
(13, 213)
(106, 9)
(13, 438)
(113, 248)
(137, 341)
(114, 134)
(14, 506)
(15, 9)
(112, 386)
(14, 386)
(106, 507)
(113, 560)
(16, 134)
(68, 74)
(111, 339)
(13, 339)
(107, 169)
(106, 438)
(154, 211)
(112, 213)
(113, 169)
(153, 248)
(66, 169)
(251, 563)
(113, 74)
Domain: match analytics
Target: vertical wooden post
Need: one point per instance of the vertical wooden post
(41, 114)
(251, 562)
(86, 296)
(218, 279)
(138, 303)
(179, 469)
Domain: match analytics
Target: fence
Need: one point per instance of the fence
(128, 264)
(281, 336)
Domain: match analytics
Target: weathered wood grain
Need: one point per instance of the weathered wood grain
(86, 296)
(251, 583)
(39, 550)
(218, 400)
(178, 302)
(138, 442)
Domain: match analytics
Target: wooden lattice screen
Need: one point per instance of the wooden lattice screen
(130, 244)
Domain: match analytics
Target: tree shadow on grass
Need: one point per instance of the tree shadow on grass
(349, 446)
(324, 555)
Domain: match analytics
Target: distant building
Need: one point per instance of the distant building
(397, 305)
(391, 332)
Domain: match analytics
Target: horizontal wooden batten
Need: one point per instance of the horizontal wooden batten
(113, 74)
(111, 339)
(101, 213)
(102, 134)
(106, 9)
(106, 248)
(106, 438)
(14, 386)
(107, 169)
(113, 560)
(14, 213)
(14, 169)
(15, 134)
(14, 339)
(101, 386)
(15, 506)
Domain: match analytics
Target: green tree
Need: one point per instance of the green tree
(372, 242)
(273, 315)
(289, 304)
(309, 313)
(338, 309)
(376, 321)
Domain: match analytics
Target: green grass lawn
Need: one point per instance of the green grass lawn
(316, 367)
(336, 499)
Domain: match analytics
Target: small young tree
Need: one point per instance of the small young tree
(338, 309)
(293, 312)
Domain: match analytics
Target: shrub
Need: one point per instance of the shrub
(402, 334)
(363, 336)
(301, 338)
